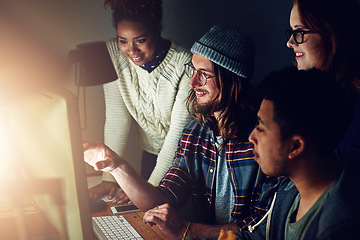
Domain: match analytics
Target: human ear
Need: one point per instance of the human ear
(297, 146)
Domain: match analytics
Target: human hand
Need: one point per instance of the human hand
(121, 198)
(100, 156)
(109, 188)
(167, 221)
(103, 188)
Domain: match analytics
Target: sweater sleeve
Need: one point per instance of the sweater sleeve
(179, 118)
(117, 122)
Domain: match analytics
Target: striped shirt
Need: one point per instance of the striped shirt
(193, 175)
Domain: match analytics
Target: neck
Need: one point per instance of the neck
(313, 179)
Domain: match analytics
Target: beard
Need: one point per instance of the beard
(204, 109)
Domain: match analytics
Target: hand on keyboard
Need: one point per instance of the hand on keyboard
(167, 220)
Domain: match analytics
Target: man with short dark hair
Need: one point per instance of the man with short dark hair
(302, 118)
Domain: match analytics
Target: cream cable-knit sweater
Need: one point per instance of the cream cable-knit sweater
(156, 101)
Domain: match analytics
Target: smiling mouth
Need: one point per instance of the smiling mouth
(299, 54)
(136, 59)
(200, 93)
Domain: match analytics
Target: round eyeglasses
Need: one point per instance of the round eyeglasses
(298, 35)
(201, 76)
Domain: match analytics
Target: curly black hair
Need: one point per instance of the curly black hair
(147, 12)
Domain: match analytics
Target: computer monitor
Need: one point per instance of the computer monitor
(42, 153)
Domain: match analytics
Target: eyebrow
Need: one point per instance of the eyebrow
(259, 119)
(201, 69)
(141, 36)
(298, 26)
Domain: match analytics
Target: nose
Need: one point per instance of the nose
(132, 48)
(194, 81)
(291, 42)
(252, 138)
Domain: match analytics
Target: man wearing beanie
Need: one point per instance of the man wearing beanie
(214, 162)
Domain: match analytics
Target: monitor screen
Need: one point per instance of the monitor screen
(42, 154)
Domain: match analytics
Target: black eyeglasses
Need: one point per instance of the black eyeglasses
(297, 34)
(201, 76)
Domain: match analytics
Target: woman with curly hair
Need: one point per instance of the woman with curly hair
(150, 91)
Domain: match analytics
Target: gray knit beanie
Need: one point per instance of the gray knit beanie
(228, 46)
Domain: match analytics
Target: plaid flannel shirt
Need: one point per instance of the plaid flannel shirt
(193, 175)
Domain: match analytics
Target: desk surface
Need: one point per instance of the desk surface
(35, 227)
(136, 220)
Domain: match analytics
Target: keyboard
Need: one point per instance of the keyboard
(114, 227)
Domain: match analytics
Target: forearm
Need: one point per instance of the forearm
(141, 193)
(199, 231)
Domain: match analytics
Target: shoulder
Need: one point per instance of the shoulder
(113, 47)
(114, 51)
(180, 50)
(179, 54)
(172, 67)
(341, 209)
(191, 126)
(194, 128)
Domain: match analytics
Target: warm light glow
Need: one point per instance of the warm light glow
(40, 134)
(45, 148)
(6, 162)
(30, 58)
(30, 61)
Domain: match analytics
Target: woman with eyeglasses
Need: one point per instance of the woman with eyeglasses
(325, 35)
(150, 91)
